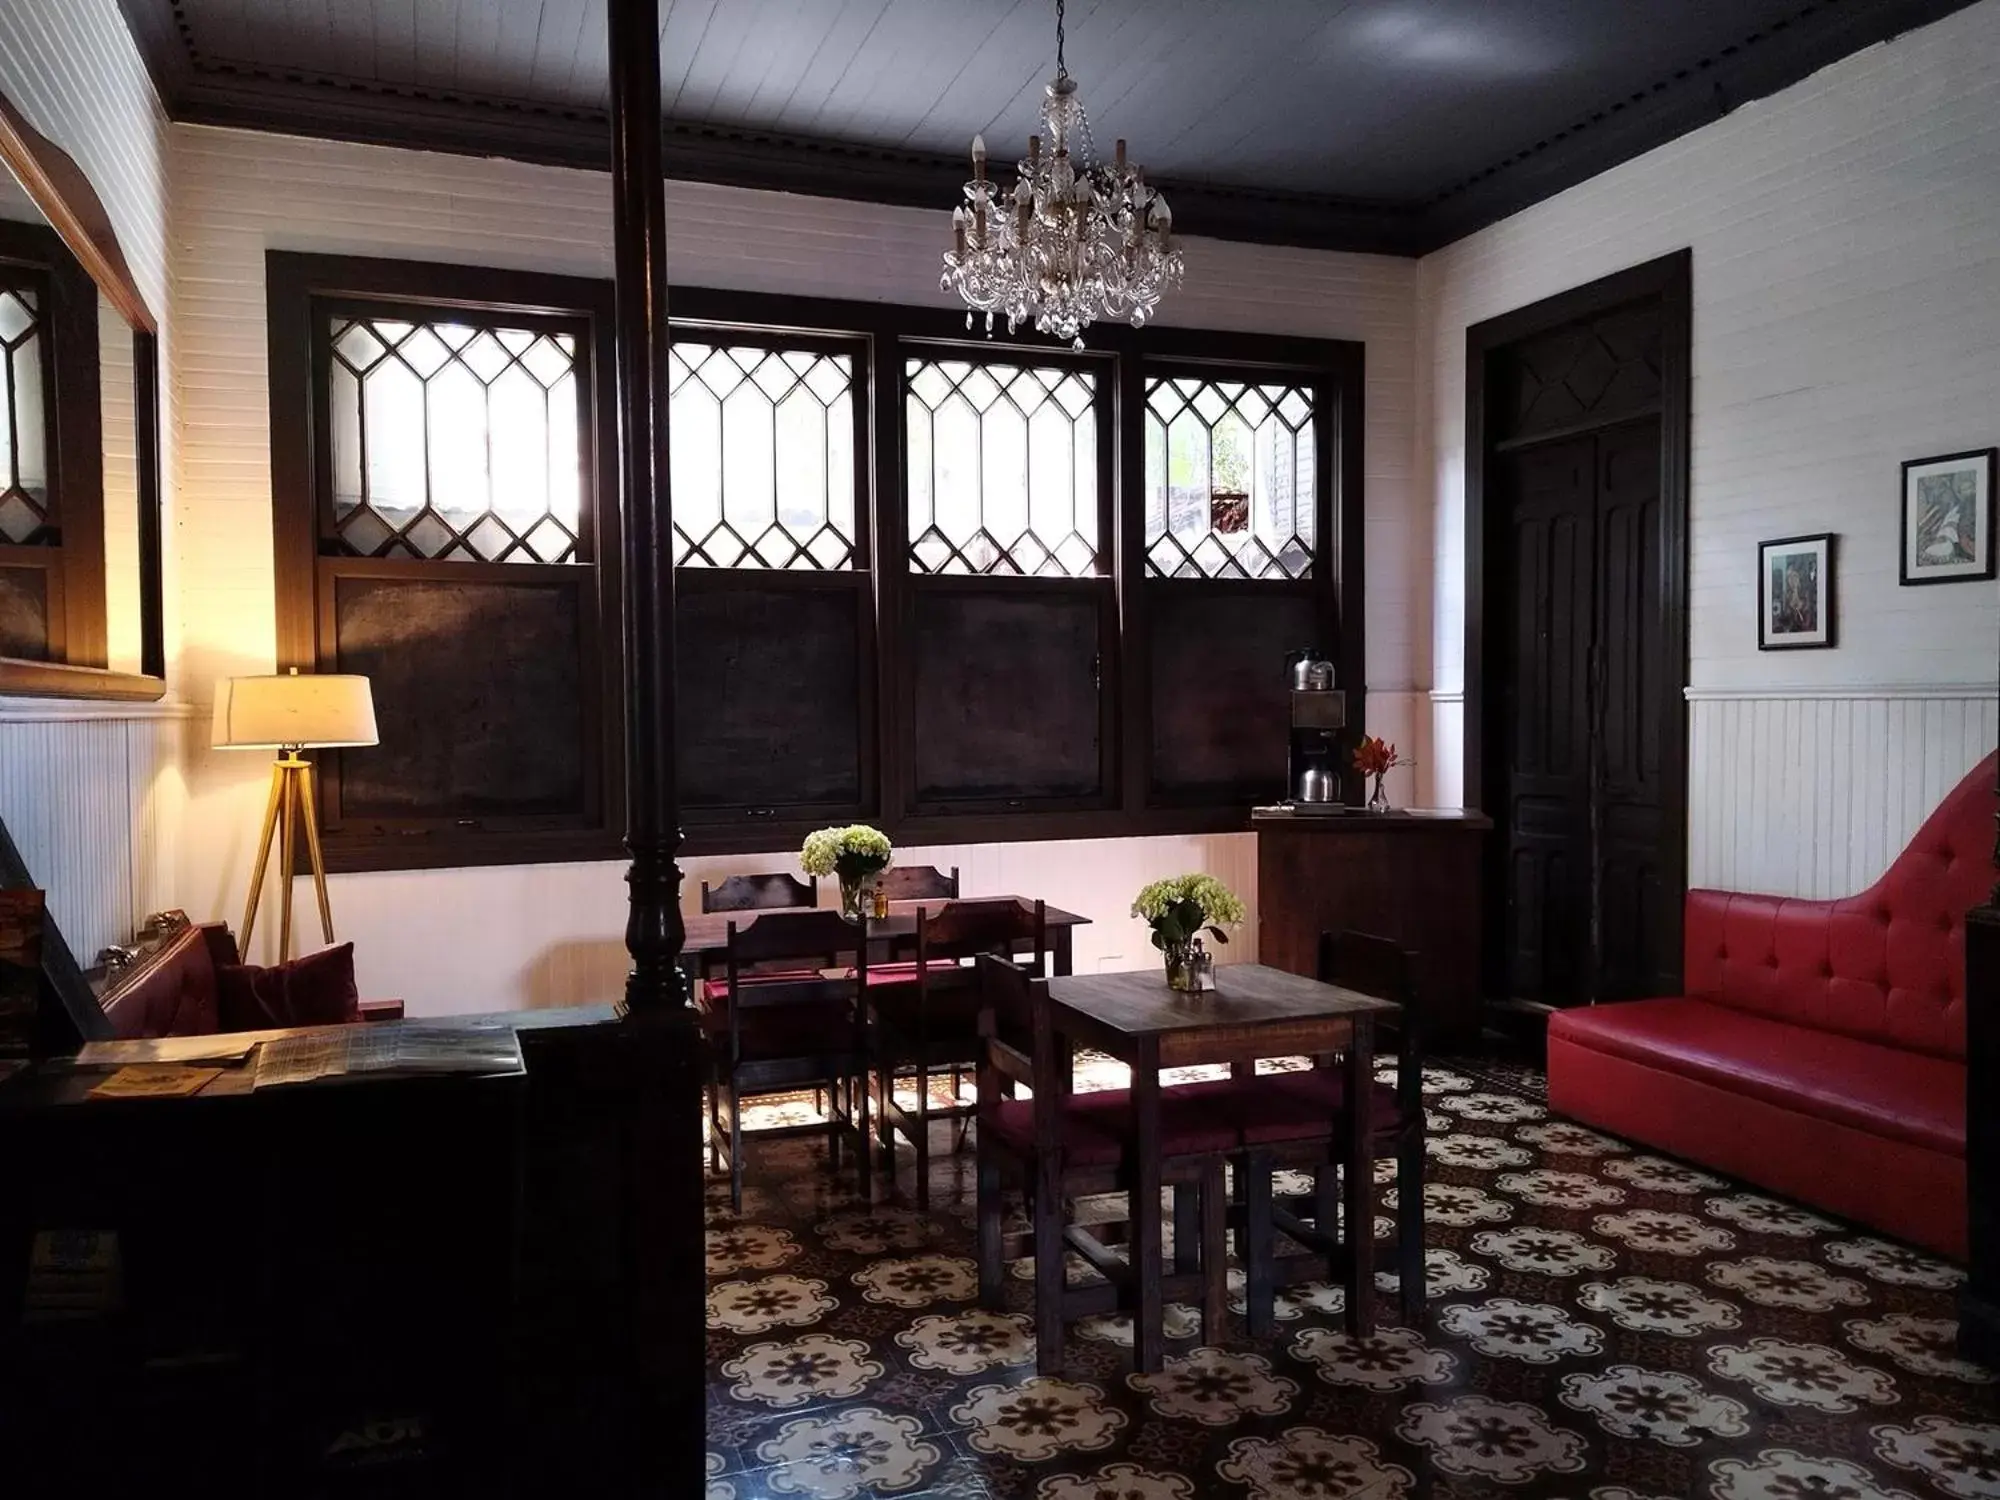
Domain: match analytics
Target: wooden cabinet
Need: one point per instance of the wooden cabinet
(1410, 876)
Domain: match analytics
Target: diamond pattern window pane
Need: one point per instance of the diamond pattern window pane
(763, 456)
(26, 507)
(1231, 480)
(1002, 469)
(454, 442)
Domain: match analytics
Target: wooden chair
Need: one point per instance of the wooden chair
(926, 1015)
(773, 892)
(1059, 1145)
(800, 1022)
(918, 883)
(1292, 1119)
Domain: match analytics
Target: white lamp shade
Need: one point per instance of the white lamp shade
(316, 711)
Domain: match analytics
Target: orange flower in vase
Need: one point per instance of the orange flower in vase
(1377, 758)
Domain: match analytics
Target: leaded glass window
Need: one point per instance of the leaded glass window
(25, 504)
(762, 455)
(455, 441)
(1231, 480)
(1003, 468)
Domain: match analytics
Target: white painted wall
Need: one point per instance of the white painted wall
(479, 939)
(1846, 238)
(92, 794)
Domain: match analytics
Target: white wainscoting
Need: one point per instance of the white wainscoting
(1812, 791)
(90, 797)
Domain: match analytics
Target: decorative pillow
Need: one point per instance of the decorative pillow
(317, 990)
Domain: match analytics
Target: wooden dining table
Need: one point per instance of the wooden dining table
(707, 941)
(1253, 1012)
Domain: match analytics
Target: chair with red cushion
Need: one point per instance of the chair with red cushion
(1296, 1120)
(1059, 1145)
(926, 1016)
(798, 1023)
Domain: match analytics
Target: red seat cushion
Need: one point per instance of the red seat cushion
(1098, 1125)
(1885, 1091)
(1302, 1106)
(906, 973)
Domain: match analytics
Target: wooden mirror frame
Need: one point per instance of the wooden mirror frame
(59, 188)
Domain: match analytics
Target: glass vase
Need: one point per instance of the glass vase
(1180, 966)
(857, 897)
(1378, 800)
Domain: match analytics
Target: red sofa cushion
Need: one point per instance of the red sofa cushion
(1886, 1091)
(316, 990)
(1887, 965)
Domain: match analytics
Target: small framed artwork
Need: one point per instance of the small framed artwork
(1795, 593)
(1948, 518)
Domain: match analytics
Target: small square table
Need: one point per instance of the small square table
(1252, 1012)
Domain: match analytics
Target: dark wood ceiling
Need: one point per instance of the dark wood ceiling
(1392, 125)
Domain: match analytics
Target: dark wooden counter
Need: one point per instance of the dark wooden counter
(1411, 875)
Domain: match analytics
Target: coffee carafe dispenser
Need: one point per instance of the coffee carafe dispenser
(1318, 714)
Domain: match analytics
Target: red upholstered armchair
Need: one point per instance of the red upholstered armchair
(1819, 1049)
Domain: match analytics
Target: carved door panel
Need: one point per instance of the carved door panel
(1545, 700)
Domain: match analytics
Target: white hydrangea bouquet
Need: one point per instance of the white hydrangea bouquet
(1179, 910)
(856, 854)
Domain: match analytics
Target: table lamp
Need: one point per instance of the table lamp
(290, 714)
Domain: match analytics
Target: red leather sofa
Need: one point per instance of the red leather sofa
(1819, 1051)
(172, 991)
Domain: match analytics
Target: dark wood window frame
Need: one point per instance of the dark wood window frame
(883, 335)
(301, 292)
(73, 565)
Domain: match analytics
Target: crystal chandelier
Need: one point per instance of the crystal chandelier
(1076, 240)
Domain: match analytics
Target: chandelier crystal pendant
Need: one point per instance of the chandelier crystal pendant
(1074, 242)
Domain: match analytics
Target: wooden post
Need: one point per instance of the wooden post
(653, 927)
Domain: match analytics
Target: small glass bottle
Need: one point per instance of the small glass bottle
(881, 904)
(1204, 969)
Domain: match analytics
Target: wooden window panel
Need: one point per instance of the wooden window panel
(776, 703)
(1221, 707)
(481, 675)
(31, 604)
(1008, 709)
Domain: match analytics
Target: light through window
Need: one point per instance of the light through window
(24, 420)
(455, 441)
(762, 456)
(1231, 488)
(1002, 467)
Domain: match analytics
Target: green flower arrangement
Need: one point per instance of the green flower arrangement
(1179, 910)
(850, 853)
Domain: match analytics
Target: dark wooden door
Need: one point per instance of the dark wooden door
(1579, 690)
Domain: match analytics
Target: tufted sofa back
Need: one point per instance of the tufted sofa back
(1887, 965)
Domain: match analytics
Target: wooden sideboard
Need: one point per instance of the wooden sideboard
(1412, 876)
(1979, 1302)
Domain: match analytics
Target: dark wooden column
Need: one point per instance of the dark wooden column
(653, 927)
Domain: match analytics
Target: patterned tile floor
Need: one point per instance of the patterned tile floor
(1604, 1323)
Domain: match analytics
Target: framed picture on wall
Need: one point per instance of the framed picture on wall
(1948, 518)
(1795, 593)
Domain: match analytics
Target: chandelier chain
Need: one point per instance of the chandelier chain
(1062, 67)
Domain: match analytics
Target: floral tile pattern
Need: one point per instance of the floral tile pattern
(1605, 1323)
